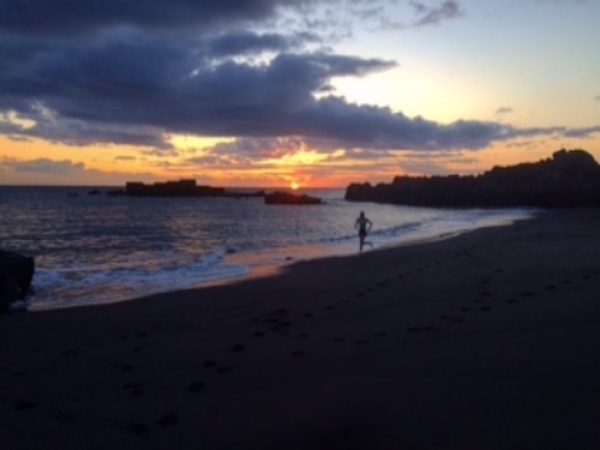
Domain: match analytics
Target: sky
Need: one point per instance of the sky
(309, 93)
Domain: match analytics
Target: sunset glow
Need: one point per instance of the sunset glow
(238, 99)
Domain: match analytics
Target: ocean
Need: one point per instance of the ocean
(93, 249)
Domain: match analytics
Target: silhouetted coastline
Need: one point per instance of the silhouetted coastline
(571, 178)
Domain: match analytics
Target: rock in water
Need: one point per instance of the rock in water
(285, 198)
(16, 273)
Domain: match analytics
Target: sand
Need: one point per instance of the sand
(489, 340)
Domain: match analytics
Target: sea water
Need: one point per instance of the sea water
(92, 249)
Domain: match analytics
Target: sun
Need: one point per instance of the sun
(294, 185)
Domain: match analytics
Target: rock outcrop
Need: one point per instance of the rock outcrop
(181, 188)
(16, 273)
(286, 198)
(568, 179)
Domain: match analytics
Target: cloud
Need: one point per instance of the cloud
(133, 88)
(79, 132)
(504, 110)
(581, 132)
(427, 15)
(64, 172)
(125, 158)
(43, 166)
(597, 98)
(64, 16)
(121, 82)
(246, 42)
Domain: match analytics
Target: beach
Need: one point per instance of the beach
(487, 340)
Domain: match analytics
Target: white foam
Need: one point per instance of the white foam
(80, 284)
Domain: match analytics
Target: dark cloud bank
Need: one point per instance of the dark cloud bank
(133, 72)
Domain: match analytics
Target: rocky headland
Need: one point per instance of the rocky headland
(570, 178)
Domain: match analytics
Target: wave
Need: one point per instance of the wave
(128, 277)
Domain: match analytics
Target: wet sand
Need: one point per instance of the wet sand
(489, 340)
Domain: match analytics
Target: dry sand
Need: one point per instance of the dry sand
(487, 340)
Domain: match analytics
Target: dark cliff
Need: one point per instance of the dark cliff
(568, 179)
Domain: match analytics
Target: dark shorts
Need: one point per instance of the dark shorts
(362, 233)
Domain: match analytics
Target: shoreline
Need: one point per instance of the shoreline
(486, 340)
(265, 271)
(273, 261)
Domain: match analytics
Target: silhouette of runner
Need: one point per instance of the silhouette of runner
(364, 226)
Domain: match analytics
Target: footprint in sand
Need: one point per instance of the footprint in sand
(123, 367)
(298, 353)
(258, 334)
(238, 348)
(63, 416)
(210, 363)
(486, 308)
(168, 420)
(21, 404)
(138, 428)
(196, 386)
(134, 389)
(224, 369)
